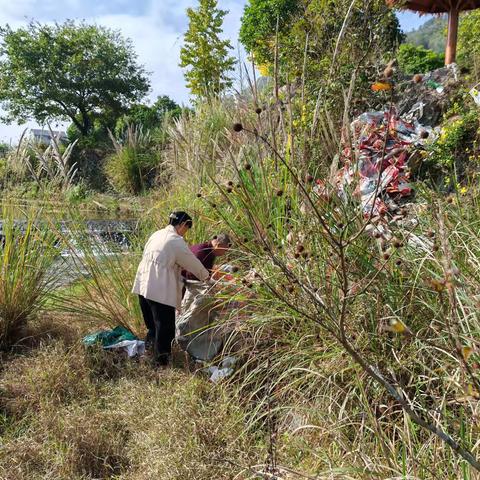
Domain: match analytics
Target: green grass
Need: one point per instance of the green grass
(26, 258)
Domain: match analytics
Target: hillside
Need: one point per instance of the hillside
(430, 35)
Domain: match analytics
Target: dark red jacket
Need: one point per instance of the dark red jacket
(204, 252)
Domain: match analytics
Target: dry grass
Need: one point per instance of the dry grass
(68, 413)
(53, 376)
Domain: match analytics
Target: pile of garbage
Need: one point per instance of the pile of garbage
(377, 161)
(118, 338)
(428, 96)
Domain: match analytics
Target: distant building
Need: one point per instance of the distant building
(44, 136)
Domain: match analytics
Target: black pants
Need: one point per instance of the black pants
(160, 322)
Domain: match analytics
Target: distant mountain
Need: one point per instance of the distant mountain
(431, 35)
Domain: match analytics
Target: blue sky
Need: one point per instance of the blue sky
(155, 26)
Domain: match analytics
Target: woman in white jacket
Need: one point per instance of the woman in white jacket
(158, 281)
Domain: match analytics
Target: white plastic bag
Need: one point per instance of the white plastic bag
(475, 93)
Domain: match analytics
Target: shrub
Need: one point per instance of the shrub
(132, 168)
(412, 59)
(76, 193)
(469, 43)
(455, 152)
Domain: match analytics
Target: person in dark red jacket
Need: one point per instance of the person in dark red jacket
(207, 252)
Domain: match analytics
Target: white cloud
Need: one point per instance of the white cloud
(158, 49)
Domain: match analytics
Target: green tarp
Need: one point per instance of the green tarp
(109, 337)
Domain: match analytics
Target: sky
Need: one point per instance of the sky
(156, 28)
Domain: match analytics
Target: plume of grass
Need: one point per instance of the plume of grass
(54, 161)
(28, 276)
(194, 141)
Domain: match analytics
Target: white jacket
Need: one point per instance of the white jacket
(159, 273)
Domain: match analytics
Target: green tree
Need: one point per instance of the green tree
(317, 27)
(412, 59)
(68, 71)
(149, 117)
(4, 149)
(259, 26)
(205, 54)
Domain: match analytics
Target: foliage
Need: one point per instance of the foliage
(456, 149)
(69, 71)
(204, 54)
(431, 35)
(412, 59)
(97, 136)
(259, 26)
(149, 117)
(320, 52)
(76, 193)
(469, 42)
(196, 138)
(4, 149)
(133, 166)
(27, 253)
(318, 29)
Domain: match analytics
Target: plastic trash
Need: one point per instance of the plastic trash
(217, 374)
(109, 337)
(196, 328)
(381, 87)
(117, 338)
(228, 362)
(378, 161)
(131, 347)
(475, 94)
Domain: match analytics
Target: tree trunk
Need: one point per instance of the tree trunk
(86, 123)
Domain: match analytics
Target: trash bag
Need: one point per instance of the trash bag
(432, 90)
(196, 329)
(475, 93)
